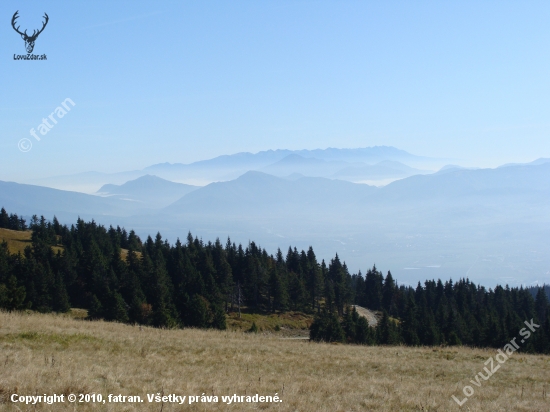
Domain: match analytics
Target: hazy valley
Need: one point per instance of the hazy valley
(486, 224)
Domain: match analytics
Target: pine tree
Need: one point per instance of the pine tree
(350, 325)
(388, 291)
(218, 318)
(314, 278)
(541, 305)
(363, 333)
(198, 312)
(115, 309)
(224, 276)
(14, 295)
(95, 310)
(60, 296)
(4, 219)
(373, 289)
(163, 309)
(326, 328)
(339, 277)
(387, 331)
(410, 325)
(278, 291)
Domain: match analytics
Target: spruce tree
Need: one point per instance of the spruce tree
(14, 295)
(4, 219)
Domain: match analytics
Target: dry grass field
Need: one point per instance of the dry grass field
(288, 324)
(17, 240)
(46, 354)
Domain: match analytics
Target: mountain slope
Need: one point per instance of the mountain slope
(511, 181)
(258, 194)
(150, 191)
(29, 199)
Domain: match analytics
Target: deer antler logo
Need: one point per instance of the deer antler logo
(29, 40)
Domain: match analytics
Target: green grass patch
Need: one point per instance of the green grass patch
(274, 322)
(62, 341)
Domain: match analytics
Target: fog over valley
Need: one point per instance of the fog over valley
(488, 225)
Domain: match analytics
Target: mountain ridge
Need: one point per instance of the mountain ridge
(151, 191)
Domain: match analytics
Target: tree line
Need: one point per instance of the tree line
(117, 276)
(11, 221)
(535, 289)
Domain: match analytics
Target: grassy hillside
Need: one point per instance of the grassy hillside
(57, 354)
(17, 240)
(288, 324)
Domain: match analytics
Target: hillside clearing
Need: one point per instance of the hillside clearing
(57, 354)
(286, 324)
(18, 240)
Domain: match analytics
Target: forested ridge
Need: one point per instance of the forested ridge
(116, 276)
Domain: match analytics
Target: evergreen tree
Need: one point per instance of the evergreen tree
(326, 328)
(4, 219)
(60, 297)
(387, 331)
(95, 310)
(198, 312)
(350, 325)
(218, 318)
(373, 289)
(363, 333)
(541, 305)
(339, 277)
(13, 295)
(388, 292)
(314, 278)
(278, 291)
(410, 325)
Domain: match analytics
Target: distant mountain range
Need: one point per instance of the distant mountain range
(257, 192)
(352, 163)
(475, 193)
(358, 172)
(313, 163)
(491, 225)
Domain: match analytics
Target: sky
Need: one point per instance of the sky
(180, 81)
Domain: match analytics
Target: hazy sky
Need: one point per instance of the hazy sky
(178, 81)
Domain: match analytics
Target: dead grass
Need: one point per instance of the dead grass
(17, 240)
(283, 324)
(57, 354)
(124, 254)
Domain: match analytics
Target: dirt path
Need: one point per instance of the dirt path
(367, 313)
